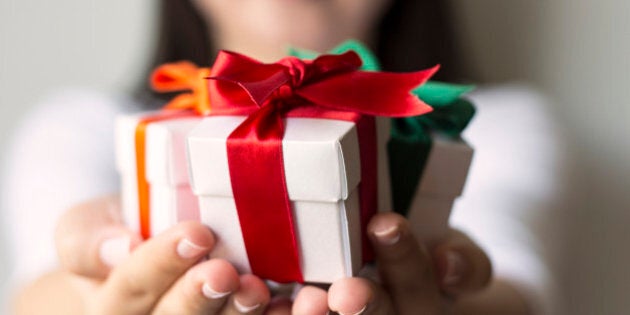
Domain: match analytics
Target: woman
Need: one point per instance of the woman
(105, 268)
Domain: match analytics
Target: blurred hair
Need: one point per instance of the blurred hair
(413, 35)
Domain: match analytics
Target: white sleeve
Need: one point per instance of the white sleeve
(61, 155)
(508, 205)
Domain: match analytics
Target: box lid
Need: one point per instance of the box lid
(321, 158)
(165, 148)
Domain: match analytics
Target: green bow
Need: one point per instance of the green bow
(411, 140)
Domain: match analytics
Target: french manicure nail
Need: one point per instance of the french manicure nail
(244, 309)
(388, 236)
(454, 268)
(187, 249)
(113, 251)
(211, 293)
(357, 313)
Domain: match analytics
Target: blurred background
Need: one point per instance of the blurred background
(576, 52)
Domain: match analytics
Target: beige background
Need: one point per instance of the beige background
(576, 51)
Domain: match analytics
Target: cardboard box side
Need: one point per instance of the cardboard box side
(166, 151)
(328, 235)
(447, 168)
(383, 127)
(428, 217)
(165, 147)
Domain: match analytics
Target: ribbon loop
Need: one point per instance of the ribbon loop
(183, 76)
(241, 85)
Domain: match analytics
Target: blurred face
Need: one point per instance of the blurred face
(264, 28)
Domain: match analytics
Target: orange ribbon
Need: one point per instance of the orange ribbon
(181, 76)
(172, 77)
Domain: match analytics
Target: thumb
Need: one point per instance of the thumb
(462, 266)
(91, 238)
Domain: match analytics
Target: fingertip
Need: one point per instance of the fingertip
(280, 306)
(350, 296)
(252, 294)
(215, 279)
(384, 220)
(197, 234)
(311, 300)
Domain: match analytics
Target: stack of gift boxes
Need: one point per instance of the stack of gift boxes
(184, 164)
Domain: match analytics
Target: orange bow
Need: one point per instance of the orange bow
(182, 76)
(170, 77)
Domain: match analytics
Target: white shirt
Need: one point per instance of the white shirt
(63, 154)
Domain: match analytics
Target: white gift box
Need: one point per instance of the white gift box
(322, 170)
(171, 199)
(442, 181)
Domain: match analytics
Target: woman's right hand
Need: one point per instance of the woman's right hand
(120, 274)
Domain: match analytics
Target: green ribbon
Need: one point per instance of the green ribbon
(370, 62)
(411, 138)
(410, 144)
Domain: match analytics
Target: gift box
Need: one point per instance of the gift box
(151, 152)
(429, 161)
(286, 166)
(169, 198)
(322, 168)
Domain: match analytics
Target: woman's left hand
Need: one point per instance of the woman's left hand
(414, 281)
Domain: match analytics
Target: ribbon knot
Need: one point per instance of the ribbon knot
(283, 96)
(296, 69)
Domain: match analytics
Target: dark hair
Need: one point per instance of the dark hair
(413, 34)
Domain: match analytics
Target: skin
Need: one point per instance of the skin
(264, 28)
(154, 278)
(100, 274)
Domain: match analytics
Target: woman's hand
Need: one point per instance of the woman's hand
(119, 274)
(413, 280)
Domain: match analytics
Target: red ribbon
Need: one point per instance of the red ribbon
(329, 87)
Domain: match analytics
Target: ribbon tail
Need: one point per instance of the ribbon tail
(372, 93)
(258, 182)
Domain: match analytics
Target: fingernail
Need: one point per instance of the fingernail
(187, 249)
(211, 293)
(357, 313)
(454, 268)
(388, 236)
(244, 309)
(113, 251)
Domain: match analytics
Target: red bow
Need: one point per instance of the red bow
(331, 87)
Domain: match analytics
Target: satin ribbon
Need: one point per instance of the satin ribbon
(329, 87)
(171, 77)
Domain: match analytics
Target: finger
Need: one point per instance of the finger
(353, 296)
(462, 266)
(135, 286)
(252, 297)
(405, 267)
(91, 238)
(281, 306)
(311, 300)
(203, 290)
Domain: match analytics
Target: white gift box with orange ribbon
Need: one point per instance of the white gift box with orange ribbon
(170, 198)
